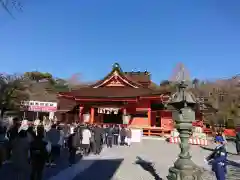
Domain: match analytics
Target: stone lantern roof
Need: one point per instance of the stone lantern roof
(183, 95)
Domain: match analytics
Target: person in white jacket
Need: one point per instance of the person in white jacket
(86, 135)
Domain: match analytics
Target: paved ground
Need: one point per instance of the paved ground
(121, 163)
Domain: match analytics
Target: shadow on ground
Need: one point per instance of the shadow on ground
(61, 164)
(234, 163)
(211, 149)
(100, 170)
(148, 166)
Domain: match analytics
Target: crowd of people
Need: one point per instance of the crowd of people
(34, 146)
(29, 147)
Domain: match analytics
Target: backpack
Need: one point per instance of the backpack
(76, 140)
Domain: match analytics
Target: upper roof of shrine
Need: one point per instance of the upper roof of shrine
(116, 84)
(118, 78)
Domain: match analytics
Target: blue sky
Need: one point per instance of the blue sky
(88, 36)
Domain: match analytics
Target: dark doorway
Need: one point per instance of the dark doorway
(113, 118)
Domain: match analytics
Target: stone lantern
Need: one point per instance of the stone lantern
(184, 168)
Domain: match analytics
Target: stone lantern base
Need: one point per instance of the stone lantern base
(190, 174)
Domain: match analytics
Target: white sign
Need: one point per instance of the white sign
(136, 135)
(108, 110)
(39, 106)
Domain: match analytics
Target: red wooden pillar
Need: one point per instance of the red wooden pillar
(80, 115)
(149, 116)
(92, 116)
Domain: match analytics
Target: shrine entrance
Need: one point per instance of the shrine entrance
(113, 118)
(111, 115)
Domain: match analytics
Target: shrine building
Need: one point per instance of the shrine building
(119, 98)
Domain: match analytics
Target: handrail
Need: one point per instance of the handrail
(155, 131)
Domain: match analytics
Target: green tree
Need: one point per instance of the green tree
(38, 76)
(47, 75)
(60, 85)
(12, 92)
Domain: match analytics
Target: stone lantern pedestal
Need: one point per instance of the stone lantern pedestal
(184, 168)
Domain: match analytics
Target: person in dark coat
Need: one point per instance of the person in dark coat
(3, 144)
(238, 142)
(53, 136)
(97, 138)
(20, 155)
(116, 132)
(102, 134)
(73, 144)
(38, 155)
(12, 134)
(110, 137)
(218, 159)
(80, 130)
(123, 134)
(92, 140)
(106, 128)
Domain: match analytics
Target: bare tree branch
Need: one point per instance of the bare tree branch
(10, 5)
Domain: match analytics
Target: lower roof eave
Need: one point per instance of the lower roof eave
(150, 97)
(62, 110)
(130, 99)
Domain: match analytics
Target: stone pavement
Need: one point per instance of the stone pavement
(132, 163)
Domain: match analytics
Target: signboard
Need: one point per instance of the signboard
(108, 110)
(39, 106)
(136, 135)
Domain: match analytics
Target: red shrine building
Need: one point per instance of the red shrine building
(119, 98)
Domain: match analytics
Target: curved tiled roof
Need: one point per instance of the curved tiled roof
(132, 88)
(108, 92)
(117, 68)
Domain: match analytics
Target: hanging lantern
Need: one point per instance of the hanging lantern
(115, 111)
